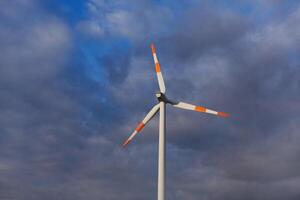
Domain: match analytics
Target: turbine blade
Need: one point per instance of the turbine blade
(142, 124)
(188, 106)
(159, 75)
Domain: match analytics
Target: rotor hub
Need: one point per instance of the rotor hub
(161, 97)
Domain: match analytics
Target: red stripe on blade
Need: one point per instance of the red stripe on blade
(140, 127)
(200, 109)
(157, 67)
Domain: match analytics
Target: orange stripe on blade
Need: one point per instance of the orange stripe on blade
(223, 114)
(200, 109)
(157, 67)
(152, 48)
(140, 127)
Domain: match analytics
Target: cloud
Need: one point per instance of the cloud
(35, 48)
(61, 130)
(249, 71)
(133, 20)
(222, 59)
(28, 51)
(90, 28)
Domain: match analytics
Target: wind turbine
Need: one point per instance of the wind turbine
(161, 106)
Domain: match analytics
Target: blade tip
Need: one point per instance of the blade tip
(152, 47)
(223, 114)
(124, 145)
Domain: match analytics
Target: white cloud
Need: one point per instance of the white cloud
(280, 34)
(135, 20)
(90, 28)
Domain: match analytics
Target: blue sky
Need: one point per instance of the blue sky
(76, 77)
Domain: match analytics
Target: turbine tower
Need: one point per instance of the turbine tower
(161, 106)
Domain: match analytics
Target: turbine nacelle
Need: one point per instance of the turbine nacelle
(162, 97)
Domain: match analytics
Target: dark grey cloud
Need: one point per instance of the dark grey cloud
(61, 131)
(116, 65)
(36, 114)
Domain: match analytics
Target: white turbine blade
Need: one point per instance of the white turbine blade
(142, 124)
(160, 78)
(188, 106)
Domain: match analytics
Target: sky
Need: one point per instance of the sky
(76, 77)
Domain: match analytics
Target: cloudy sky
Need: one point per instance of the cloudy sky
(77, 76)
